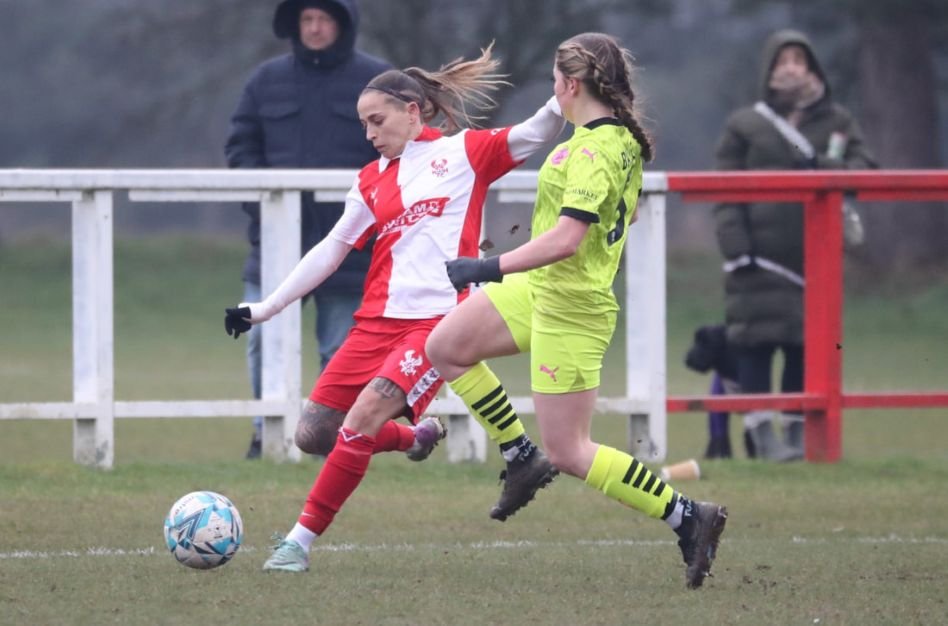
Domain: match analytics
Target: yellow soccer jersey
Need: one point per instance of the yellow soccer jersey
(595, 176)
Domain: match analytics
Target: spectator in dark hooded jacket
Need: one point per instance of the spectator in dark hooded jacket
(298, 110)
(796, 125)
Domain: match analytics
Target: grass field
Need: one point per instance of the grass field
(863, 541)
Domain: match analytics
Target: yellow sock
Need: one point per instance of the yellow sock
(485, 397)
(622, 477)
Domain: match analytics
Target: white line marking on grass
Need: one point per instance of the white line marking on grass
(891, 538)
(31, 554)
(477, 545)
(484, 545)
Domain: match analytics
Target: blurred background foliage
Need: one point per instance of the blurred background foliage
(130, 83)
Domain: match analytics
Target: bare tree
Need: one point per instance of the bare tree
(429, 33)
(133, 83)
(900, 114)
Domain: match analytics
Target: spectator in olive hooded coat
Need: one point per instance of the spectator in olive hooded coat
(762, 243)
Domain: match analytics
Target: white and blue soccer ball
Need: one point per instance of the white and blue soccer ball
(203, 530)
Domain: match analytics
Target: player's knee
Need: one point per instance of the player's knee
(436, 351)
(450, 358)
(317, 429)
(319, 441)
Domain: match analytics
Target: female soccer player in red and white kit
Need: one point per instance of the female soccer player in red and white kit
(423, 200)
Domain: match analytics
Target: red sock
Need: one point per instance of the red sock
(341, 474)
(394, 436)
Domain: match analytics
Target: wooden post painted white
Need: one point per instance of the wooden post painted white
(467, 439)
(94, 409)
(93, 339)
(645, 328)
(280, 252)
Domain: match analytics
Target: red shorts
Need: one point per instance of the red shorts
(393, 349)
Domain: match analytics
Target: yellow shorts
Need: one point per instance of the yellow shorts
(566, 347)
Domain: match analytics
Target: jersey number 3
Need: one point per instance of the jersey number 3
(616, 233)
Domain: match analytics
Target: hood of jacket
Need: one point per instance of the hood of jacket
(772, 48)
(286, 19)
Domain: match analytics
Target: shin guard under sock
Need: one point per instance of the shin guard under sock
(487, 400)
(623, 478)
(341, 474)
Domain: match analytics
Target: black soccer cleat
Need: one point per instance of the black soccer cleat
(701, 527)
(522, 480)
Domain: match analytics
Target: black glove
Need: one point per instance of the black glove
(236, 321)
(464, 271)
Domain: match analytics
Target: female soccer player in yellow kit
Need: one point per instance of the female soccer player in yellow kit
(557, 303)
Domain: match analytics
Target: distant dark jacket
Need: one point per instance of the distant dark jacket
(764, 306)
(298, 110)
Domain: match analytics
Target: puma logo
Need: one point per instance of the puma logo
(587, 152)
(550, 372)
(559, 156)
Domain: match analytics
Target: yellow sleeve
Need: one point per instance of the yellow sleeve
(587, 180)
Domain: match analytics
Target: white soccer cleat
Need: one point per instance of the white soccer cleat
(288, 556)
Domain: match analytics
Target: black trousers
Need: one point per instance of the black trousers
(754, 366)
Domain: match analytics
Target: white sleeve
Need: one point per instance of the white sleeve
(320, 262)
(355, 220)
(529, 135)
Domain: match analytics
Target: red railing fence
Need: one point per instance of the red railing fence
(821, 194)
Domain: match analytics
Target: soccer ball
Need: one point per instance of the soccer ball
(203, 530)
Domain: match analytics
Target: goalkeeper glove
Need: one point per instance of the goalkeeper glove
(237, 321)
(466, 270)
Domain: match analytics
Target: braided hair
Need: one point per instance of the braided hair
(600, 63)
(448, 91)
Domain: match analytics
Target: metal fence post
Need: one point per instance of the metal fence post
(823, 304)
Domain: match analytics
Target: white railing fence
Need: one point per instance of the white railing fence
(94, 407)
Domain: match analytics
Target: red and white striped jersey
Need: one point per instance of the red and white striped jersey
(425, 208)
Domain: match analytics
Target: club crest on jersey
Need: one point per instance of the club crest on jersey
(410, 363)
(559, 156)
(439, 167)
(413, 214)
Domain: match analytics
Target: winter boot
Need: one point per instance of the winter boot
(793, 436)
(768, 446)
(749, 445)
